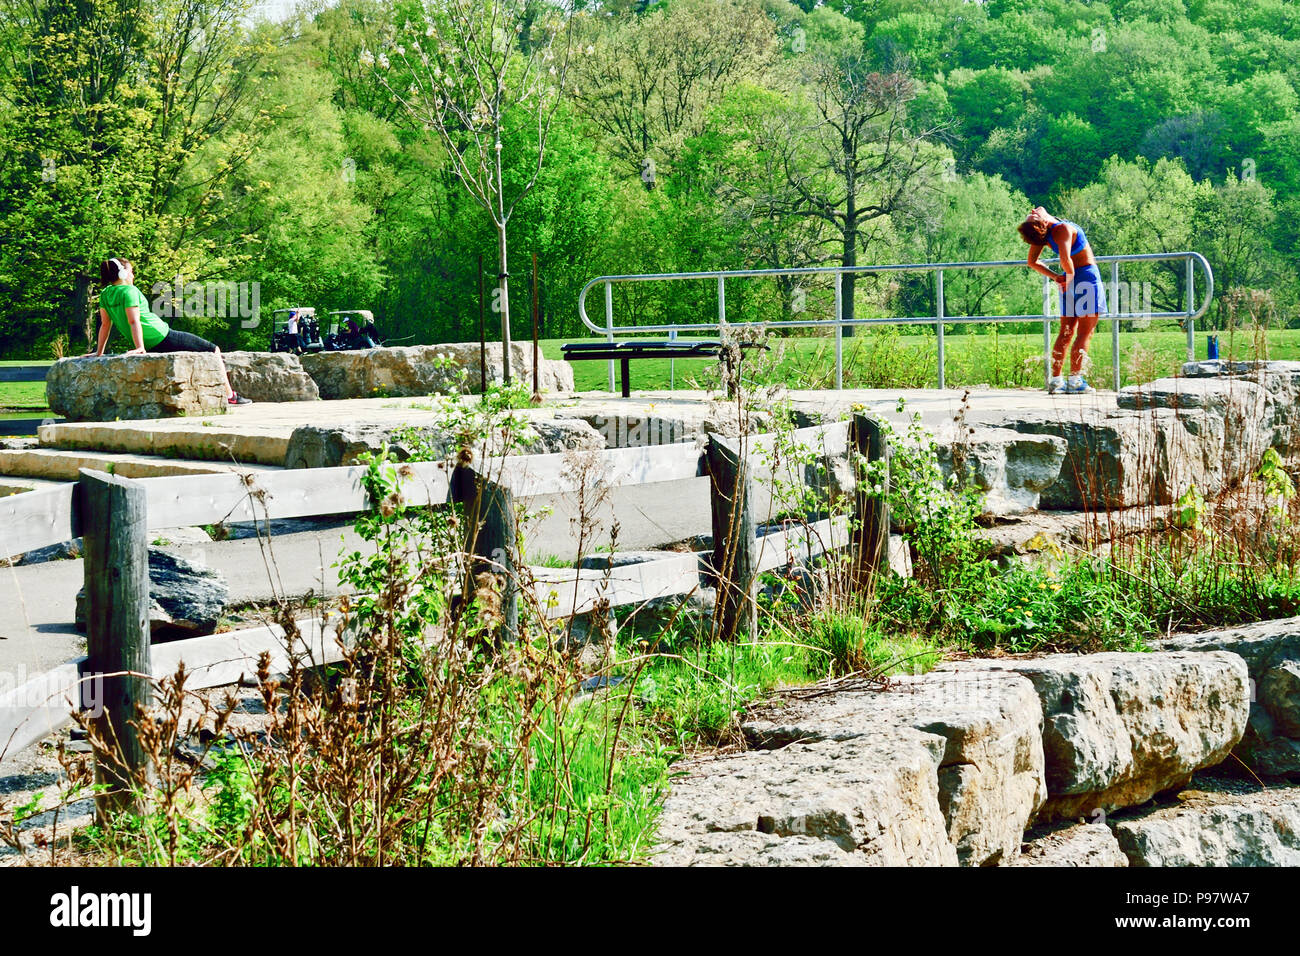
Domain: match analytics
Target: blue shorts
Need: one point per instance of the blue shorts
(1087, 296)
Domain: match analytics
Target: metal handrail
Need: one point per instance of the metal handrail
(1190, 314)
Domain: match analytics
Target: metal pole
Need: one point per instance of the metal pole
(839, 330)
(722, 304)
(1047, 333)
(672, 364)
(938, 326)
(1114, 323)
(609, 326)
(1191, 308)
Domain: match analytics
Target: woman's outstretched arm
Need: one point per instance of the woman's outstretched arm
(137, 334)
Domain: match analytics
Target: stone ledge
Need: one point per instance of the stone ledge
(417, 370)
(1254, 829)
(938, 770)
(1271, 650)
(270, 377)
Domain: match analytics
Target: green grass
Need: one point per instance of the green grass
(884, 358)
(23, 395)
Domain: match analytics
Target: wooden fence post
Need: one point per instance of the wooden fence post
(735, 551)
(488, 510)
(871, 513)
(116, 566)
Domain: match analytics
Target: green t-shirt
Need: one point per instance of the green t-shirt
(116, 299)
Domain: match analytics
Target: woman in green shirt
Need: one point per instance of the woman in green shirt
(122, 305)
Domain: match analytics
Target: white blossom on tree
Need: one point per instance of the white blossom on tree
(482, 66)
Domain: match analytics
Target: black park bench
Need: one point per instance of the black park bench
(625, 352)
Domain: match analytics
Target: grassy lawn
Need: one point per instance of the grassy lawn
(22, 396)
(883, 358)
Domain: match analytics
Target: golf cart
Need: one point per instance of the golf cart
(359, 331)
(295, 330)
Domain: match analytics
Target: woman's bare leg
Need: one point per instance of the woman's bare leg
(1087, 325)
(1068, 324)
(225, 375)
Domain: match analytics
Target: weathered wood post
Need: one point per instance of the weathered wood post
(116, 552)
(735, 551)
(488, 511)
(871, 513)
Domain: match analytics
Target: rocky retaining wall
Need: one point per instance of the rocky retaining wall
(1271, 650)
(416, 370)
(1206, 430)
(958, 766)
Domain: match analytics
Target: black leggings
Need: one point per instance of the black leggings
(177, 341)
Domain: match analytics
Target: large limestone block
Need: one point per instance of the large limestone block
(416, 370)
(1231, 419)
(1012, 469)
(1118, 459)
(1120, 728)
(1281, 384)
(270, 377)
(861, 801)
(162, 385)
(1255, 829)
(1081, 844)
(991, 774)
(1271, 650)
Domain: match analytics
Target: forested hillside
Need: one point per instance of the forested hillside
(679, 135)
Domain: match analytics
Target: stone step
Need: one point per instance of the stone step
(53, 465)
(1260, 828)
(227, 438)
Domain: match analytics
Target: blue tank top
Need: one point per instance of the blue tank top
(1080, 240)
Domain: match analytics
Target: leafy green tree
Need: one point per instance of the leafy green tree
(973, 220)
(1236, 221)
(468, 73)
(112, 102)
(852, 159)
(648, 82)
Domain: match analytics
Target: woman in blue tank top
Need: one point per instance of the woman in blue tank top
(1083, 297)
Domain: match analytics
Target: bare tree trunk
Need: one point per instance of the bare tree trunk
(81, 320)
(850, 260)
(504, 292)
